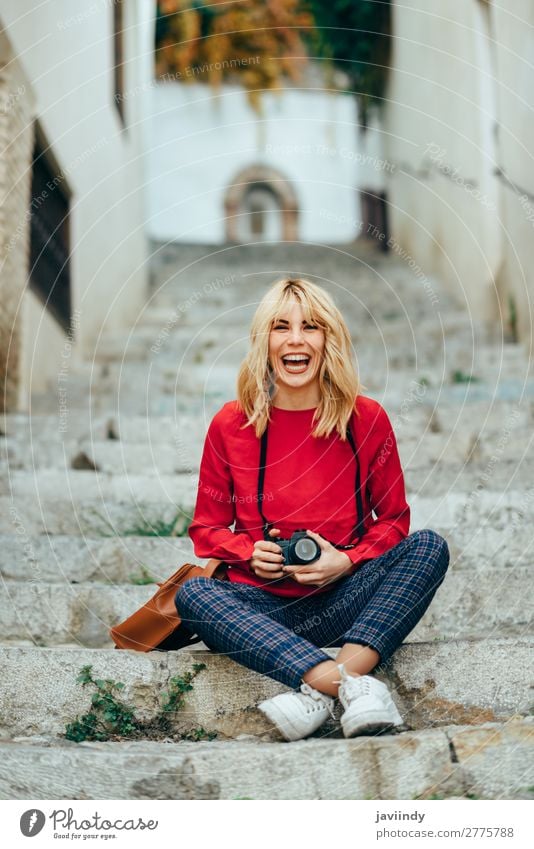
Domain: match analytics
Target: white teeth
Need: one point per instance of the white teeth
(296, 363)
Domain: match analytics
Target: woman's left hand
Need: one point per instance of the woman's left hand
(331, 565)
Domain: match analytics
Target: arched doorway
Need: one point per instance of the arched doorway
(260, 204)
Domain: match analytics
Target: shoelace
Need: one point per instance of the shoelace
(353, 685)
(319, 699)
(357, 686)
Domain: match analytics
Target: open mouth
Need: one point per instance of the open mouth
(296, 363)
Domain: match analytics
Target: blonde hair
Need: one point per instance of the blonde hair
(338, 381)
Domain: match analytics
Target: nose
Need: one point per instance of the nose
(295, 334)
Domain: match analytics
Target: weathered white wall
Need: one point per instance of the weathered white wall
(66, 52)
(440, 134)
(514, 51)
(198, 141)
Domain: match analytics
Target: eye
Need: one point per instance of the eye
(310, 326)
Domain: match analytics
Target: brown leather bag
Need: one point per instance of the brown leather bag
(156, 626)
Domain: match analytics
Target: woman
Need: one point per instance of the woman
(301, 448)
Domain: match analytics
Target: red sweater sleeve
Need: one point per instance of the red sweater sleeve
(387, 496)
(215, 506)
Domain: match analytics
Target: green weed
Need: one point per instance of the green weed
(460, 376)
(109, 717)
(108, 714)
(143, 578)
(512, 319)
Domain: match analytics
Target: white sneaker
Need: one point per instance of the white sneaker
(368, 705)
(296, 715)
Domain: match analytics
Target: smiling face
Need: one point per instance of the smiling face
(296, 349)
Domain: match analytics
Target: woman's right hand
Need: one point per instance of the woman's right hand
(266, 560)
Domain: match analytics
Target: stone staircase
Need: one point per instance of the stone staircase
(97, 488)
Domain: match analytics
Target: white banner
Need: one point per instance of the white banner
(256, 824)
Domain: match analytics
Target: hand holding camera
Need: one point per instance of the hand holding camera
(306, 557)
(267, 559)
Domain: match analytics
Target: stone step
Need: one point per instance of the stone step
(445, 482)
(492, 761)
(470, 604)
(511, 511)
(41, 430)
(411, 416)
(136, 399)
(417, 448)
(93, 517)
(443, 683)
(75, 560)
(217, 374)
(219, 341)
(463, 480)
(77, 485)
(110, 457)
(117, 383)
(78, 559)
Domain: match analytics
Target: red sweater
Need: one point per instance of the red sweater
(309, 483)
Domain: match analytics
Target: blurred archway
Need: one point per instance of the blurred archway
(260, 204)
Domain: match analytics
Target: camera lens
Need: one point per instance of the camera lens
(306, 550)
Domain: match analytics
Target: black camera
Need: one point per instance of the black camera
(299, 549)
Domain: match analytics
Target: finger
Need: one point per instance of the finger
(265, 545)
(323, 543)
(311, 576)
(274, 532)
(269, 557)
(270, 560)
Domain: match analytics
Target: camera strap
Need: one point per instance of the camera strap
(359, 527)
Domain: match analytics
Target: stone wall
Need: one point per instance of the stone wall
(16, 144)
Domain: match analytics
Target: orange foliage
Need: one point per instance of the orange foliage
(256, 43)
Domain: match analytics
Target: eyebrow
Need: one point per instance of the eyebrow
(285, 321)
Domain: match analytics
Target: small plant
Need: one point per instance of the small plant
(107, 716)
(198, 734)
(143, 578)
(460, 376)
(176, 527)
(512, 319)
(179, 685)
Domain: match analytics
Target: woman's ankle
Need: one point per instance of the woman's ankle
(324, 677)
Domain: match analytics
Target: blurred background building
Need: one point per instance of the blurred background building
(73, 244)
(127, 124)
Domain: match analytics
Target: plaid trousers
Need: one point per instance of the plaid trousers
(281, 637)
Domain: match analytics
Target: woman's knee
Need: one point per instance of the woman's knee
(189, 592)
(435, 547)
